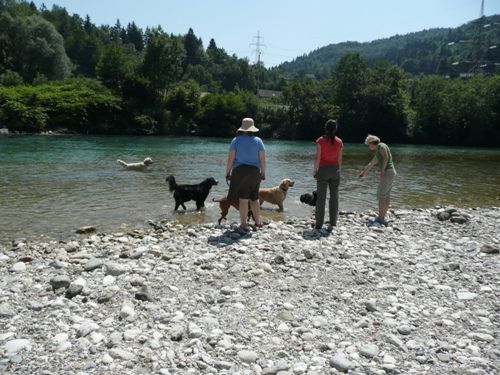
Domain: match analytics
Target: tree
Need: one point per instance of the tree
(194, 49)
(114, 67)
(32, 45)
(135, 36)
(162, 59)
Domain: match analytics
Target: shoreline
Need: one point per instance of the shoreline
(419, 296)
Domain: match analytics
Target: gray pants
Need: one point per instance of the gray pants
(328, 176)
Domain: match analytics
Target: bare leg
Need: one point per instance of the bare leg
(255, 206)
(383, 206)
(244, 212)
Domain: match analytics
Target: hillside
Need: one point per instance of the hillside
(428, 51)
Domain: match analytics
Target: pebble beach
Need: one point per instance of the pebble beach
(420, 296)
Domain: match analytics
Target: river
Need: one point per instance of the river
(50, 185)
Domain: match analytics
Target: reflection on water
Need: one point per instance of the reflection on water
(54, 184)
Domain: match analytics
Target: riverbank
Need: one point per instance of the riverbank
(420, 296)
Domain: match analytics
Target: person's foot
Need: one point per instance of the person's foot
(329, 228)
(380, 221)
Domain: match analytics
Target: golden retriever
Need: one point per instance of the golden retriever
(276, 195)
(141, 166)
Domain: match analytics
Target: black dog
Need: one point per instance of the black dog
(186, 193)
(309, 199)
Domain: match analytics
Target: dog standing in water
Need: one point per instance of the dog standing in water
(141, 166)
(275, 195)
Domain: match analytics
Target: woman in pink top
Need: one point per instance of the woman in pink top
(327, 173)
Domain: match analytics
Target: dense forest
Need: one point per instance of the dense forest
(445, 51)
(62, 72)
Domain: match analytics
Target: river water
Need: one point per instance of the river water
(50, 185)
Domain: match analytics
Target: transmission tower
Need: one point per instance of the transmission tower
(258, 47)
(257, 43)
(481, 15)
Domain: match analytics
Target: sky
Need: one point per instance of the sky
(289, 28)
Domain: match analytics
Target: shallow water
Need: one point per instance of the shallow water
(50, 185)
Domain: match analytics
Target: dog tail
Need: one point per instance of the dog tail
(218, 200)
(121, 162)
(172, 185)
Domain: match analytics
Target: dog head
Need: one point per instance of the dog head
(170, 180)
(210, 182)
(309, 199)
(148, 161)
(286, 183)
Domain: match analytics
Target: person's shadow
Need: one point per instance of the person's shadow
(229, 237)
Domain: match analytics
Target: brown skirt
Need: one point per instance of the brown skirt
(245, 183)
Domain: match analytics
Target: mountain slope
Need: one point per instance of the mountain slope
(429, 51)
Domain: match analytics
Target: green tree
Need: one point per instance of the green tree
(114, 67)
(162, 59)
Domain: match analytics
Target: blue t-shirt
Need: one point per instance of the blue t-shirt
(247, 150)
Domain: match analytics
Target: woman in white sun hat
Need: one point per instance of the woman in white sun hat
(246, 168)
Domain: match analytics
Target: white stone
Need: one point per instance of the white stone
(14, 346)
(18, 267)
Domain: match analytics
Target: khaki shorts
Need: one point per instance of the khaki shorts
(385, 185)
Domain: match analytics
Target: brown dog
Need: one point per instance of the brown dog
(224, 206)
(276, 195)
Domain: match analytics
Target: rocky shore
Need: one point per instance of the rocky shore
(418, 297)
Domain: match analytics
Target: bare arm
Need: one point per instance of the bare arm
(340, 158)
(318, 158)
(230, 161)
(368, 167)
(385, 160)
(262, 158)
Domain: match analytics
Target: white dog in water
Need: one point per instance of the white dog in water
(136, 166)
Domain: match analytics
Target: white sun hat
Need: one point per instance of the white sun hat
(247, 125)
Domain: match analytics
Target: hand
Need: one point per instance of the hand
(361, 174)
(263, 176)
(315, 174)
(228, 176)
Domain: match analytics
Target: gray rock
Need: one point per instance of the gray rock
(118, 353)
(458, 220)
(194, 331)
(371, 305)
(144, 294)
(482, 337)
(369, 350)
(61, 281)
(490, 249)
(285, 315)
(127, 311)
(176, 333)
(73, 290)
(114, 269)
(443, 216)
(85, 230)
(247, 356)
(86, 327)
(451, 266)
(404, 329)
(341, 363)
(308, 254)
(6, 311)
(93, 263)
(466, 296)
